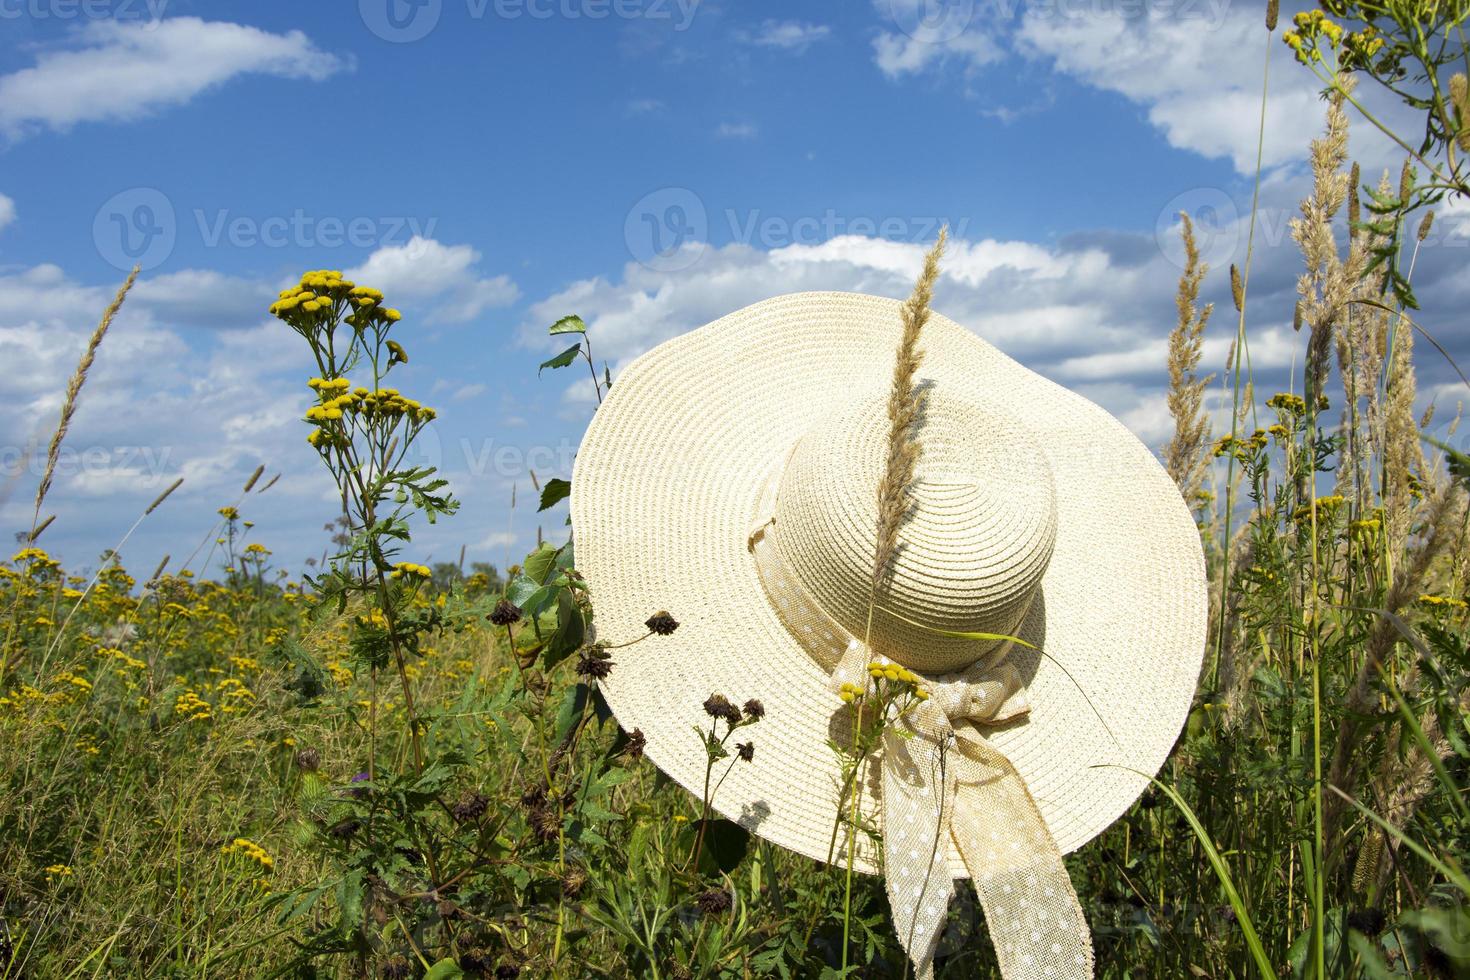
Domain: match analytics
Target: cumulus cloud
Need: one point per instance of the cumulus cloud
(897, 55)
(918, 35)
(1090, 314)
(7, 210)
(1198, 77)
(787, 35)
(445, 276)
(120, 70)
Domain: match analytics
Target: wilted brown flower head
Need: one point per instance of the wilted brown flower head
(755, 709)
(505, 613)
(594, 664)
(661, 623)
(713, 901)
(470, 807)
(719, 706)
(746, 751)
(636, 744)
(308, 760)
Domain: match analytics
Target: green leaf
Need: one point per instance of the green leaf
(554, 493)
(539, 562)
(568, 324)
(723, 848)
(571, 630)
(445, 969)
(561, 360)
(572, 705)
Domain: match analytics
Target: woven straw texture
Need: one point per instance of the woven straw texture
(1025, 491)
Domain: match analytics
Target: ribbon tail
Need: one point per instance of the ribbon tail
(918, 797)
(1036, 922)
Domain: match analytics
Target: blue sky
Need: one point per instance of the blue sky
(495, 164)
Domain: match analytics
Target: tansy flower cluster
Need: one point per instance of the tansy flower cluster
(1241, 448)
(250, 850)
(1288, 404)
(1311, 25)
(890, 679)
(338, 401)
(1324, 506)
(407, 569)
(323, 294)
(191, 707)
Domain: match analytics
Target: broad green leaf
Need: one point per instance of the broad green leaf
(561, 360)
(573, 704)
(723, 848)
(568, 324)
(539, 562)
(571, 630)
(445, 969)
(554, 493)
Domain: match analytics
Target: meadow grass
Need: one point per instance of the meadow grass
(397, 771)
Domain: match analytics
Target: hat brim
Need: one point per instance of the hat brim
(667, 482)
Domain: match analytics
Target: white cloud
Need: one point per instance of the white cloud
(1198, 77)
(7, 210)
(1053, 307)
(736, 131)
(119, 70)
(900, 54)
(192, 298)
(497, 539)
(443, 274)
(787, 35)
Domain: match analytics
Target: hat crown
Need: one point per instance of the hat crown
(972, 549)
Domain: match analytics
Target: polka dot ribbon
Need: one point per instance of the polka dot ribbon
(943, 783)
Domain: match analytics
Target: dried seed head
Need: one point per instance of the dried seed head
(746, 751)
(572, 881)
(505, 613)
(470, 807)
(308, 760)
(1425, 225)
(636, 744)
(755, 710)
(345, 828)
(1273, 8)
(661, 623)
(719, 706)
(1296, 317)
(594, 664)
(1406, 182)
(714, 901)
(1237, 288)
(1460, 98)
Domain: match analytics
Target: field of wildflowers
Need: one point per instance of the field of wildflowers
(388, 770)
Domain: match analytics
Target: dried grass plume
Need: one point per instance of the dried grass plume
(905, 407)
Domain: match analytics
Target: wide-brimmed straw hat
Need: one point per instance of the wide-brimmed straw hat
(731, 479)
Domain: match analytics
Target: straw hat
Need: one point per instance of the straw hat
(1035, 514)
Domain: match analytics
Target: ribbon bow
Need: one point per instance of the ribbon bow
(943, 783)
